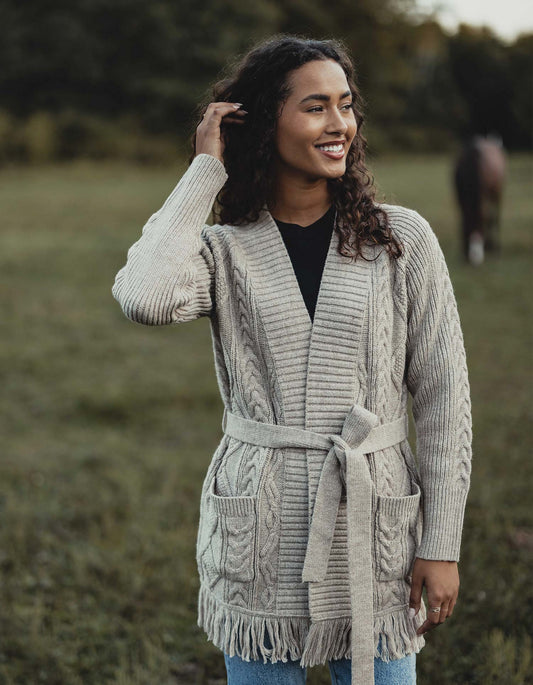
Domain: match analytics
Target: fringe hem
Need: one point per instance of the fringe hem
(242, 634)
(398, 633)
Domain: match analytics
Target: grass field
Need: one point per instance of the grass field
(109, 428)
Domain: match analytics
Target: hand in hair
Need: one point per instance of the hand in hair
(209, 137)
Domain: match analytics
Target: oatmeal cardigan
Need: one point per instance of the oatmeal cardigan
(314, 507)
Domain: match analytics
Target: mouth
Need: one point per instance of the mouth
(332, 150)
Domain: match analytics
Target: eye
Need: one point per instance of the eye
(319, 108)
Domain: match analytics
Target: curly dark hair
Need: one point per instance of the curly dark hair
(259, 80)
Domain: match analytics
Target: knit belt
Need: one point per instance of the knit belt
(345, 465)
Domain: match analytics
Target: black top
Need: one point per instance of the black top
(308, 248)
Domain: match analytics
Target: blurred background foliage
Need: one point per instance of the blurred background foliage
(90, 78)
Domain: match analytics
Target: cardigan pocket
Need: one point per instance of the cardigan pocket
(396, 533)
(230, 550)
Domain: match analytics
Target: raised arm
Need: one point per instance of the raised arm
(437, 378)
(169, 272)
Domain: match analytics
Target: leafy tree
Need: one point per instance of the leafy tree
(520, 54)
(480, 67)
(149, 62)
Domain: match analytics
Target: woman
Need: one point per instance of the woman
(318, 529)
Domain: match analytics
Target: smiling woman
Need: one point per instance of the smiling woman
(312, 141)
(296, 95)
(318, 528)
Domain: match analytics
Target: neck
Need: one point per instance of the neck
(299, 202)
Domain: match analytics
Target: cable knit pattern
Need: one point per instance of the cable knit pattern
(382, 329)
(250, 374)
(269, 526)
(437, 376)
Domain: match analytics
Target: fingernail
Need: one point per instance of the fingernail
(237, 105)
(412, 612)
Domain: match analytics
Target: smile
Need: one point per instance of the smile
(331, 151)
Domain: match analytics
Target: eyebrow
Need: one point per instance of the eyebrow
(322, 96)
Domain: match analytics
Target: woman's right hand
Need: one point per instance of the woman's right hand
(209, 137)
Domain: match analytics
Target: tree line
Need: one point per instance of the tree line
(101, 78)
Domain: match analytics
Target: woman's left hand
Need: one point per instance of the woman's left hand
(441, 579)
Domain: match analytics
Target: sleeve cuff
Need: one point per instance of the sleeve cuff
(443, 516)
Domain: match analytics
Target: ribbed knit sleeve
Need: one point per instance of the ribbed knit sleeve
(437, 378)
(169, 273)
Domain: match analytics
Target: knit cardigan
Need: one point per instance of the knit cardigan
(383, 329)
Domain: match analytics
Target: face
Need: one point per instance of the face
(317, 123)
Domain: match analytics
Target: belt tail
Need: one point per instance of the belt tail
(359, 491)
(322, 526)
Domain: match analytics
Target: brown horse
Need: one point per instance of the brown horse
(479, 179)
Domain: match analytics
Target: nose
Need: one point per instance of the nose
(337, 122)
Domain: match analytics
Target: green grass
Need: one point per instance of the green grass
(108, 429)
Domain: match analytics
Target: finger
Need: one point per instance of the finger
(223, 103)
(238, 114)
(451, 605)
(434, 616)
(237, 117)
(426, 627)
(213, 117)
(216, 110)
(415, 596)
(444, 611)
(435, 600)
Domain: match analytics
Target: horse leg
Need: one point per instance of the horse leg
(472, 234)
(493, 229)
(465, 233)
(476, 249)
(495, 225)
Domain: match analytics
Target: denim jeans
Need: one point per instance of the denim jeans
(398, 672)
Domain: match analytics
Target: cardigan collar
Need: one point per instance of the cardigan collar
(309, 356)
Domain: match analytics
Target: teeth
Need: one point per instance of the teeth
(331, 148)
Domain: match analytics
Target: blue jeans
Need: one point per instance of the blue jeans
(398, 672)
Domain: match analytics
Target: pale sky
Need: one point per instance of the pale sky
(507, 18)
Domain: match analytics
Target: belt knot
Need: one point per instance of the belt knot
(340, 443)
(340, 449)
(360, 434)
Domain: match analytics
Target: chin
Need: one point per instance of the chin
(337, 172)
